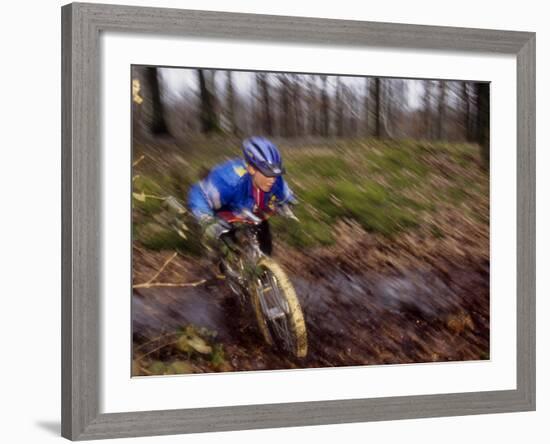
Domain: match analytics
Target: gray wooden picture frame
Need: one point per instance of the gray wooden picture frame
(81, 232)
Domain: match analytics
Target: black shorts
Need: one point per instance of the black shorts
(263, 236)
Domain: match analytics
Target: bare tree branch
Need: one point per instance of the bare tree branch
(169, 284)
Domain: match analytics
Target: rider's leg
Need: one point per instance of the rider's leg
(264, 238)
(215, 249)
(223, 249)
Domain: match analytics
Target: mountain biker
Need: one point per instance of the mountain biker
(254, 183)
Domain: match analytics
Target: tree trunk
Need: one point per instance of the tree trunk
(350, 98)
(339, 106)
(230, 104)
(466, 111)
(366, 105)
(286, 112)
(208, 117)
(377, 107)
(297, 106)
(312, 108)
(158, 121)
(427, 109)
(483, 122)
(325, 106)
(267, 119)
(441, 109)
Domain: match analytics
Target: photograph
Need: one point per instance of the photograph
(285, 221)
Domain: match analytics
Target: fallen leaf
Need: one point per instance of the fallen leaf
(141, 196)
(179, 367)
(199, 345)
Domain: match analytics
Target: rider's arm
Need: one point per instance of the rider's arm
(283, 193)
(198, 203)
(208, 196)
(204, 199)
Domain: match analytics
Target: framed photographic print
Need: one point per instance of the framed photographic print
(278, 221)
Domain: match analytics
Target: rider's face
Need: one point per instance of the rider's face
(262, 182)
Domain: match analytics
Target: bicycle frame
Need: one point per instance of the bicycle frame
(262, 284)
(242, 253)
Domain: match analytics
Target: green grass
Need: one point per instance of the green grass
(319, 167)
(157, 237)
(395, 160)
(376, 208)
(384, 186)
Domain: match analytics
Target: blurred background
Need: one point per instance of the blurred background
(391, 253)
(186, 102)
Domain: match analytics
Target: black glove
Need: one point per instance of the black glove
(214, 227)
(286, 211)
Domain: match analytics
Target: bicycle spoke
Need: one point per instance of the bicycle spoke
(276, 310)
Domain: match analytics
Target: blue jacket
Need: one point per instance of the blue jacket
(228, 187)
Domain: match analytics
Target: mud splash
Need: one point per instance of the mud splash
(352, 319)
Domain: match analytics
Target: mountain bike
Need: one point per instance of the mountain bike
(260, 281)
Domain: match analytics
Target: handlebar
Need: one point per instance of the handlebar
(245, 216)
(283, 210)
(251, 216)
(286, 211)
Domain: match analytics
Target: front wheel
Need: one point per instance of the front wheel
(278, 310)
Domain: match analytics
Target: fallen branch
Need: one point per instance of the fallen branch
(156, 275)
(153, 196)
(156, 349)
(169, 284)
(170, 259)
(143, 369)
(151, 282)
(150, 341)
(136, 162)
(142, 197)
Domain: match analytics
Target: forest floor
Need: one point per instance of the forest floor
(390, 261)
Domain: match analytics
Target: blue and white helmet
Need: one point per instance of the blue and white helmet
(262, 154)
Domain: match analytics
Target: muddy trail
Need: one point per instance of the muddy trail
(416, 314)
